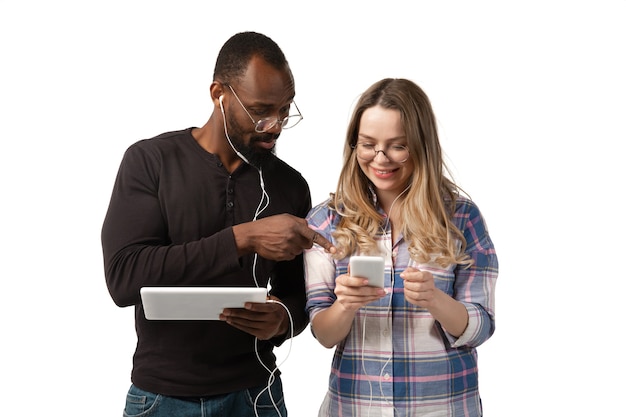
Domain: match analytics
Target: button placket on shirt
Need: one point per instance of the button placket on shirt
(386, 339)
(230, 194)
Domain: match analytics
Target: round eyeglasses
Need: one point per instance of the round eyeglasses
(395, 153)
(267, 123)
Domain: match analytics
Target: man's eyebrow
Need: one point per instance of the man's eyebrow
(261, 103)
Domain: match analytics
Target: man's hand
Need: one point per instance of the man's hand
(280, 238)
(263, 320)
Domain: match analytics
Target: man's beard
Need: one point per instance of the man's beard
(256, 156)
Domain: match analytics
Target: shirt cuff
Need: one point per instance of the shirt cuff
(472, 329)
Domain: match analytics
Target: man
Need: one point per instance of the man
(214, 206)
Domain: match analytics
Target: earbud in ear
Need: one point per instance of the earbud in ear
(221, 98)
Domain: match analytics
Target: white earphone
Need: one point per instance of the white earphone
(263, 203)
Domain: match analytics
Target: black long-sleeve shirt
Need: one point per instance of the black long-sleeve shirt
(169, 223)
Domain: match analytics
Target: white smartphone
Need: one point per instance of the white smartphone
(370, 267)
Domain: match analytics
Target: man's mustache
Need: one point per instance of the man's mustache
(264, 138)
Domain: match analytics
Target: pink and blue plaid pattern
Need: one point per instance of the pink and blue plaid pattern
(396, 356)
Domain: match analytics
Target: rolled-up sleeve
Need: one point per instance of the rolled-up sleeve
(319, 266)
(475, 286)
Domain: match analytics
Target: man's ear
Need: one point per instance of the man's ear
(217, 92)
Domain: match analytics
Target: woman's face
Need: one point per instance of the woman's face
(380, 129)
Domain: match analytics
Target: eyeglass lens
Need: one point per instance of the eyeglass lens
(263, 125)
(395, 153)
(266, 124)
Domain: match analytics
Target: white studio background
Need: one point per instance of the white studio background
(530, 96)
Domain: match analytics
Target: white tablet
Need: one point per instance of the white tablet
(196, 303)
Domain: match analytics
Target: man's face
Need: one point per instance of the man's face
(263, 92)
(255, 147)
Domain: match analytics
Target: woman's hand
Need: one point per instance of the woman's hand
(354, 292)
(420, 290)
(419, 287)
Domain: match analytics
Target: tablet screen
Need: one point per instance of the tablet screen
(196, 303)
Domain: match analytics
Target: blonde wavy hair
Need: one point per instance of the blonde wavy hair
(426, 206)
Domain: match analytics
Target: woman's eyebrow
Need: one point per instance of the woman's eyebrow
(364, 136)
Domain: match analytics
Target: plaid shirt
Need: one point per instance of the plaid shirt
(396, 356)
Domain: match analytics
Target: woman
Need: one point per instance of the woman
(409, 348)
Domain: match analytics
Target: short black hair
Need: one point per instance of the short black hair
(236, 53)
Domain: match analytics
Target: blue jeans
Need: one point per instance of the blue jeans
(141, 403)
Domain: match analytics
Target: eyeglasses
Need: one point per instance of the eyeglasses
(265, 124)
(395, 153)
